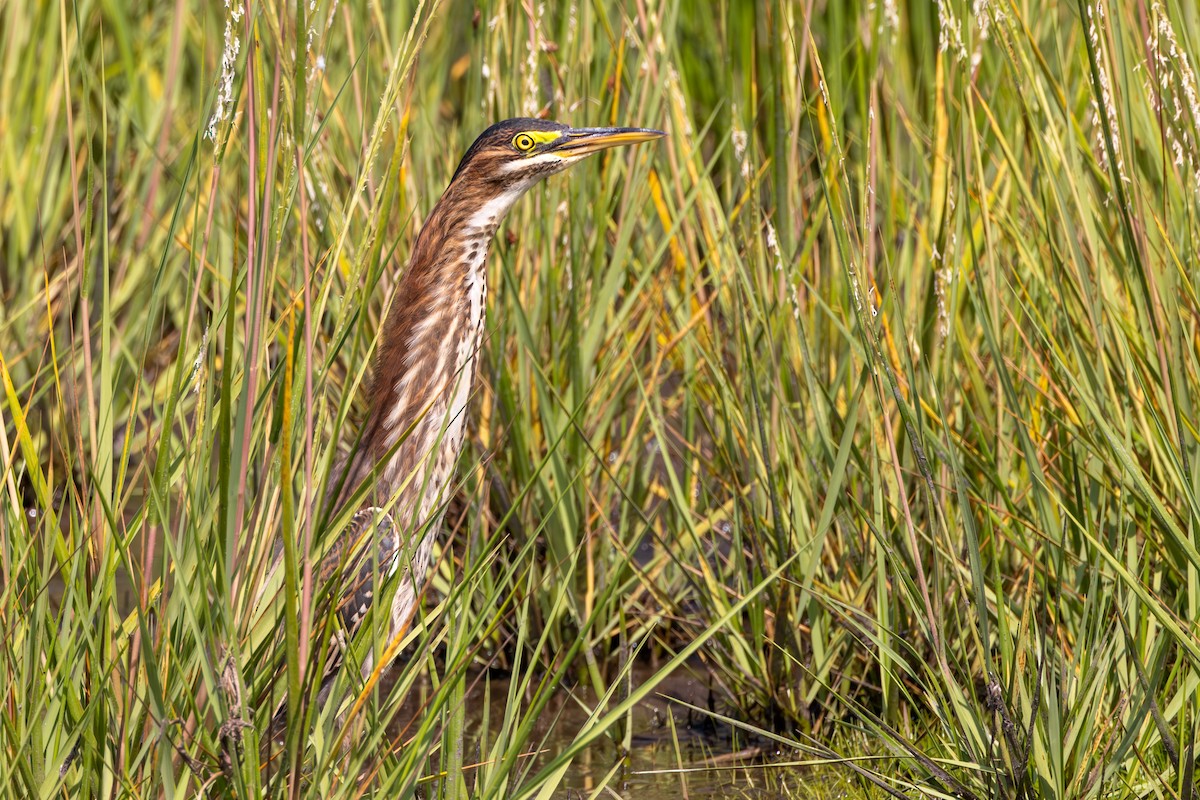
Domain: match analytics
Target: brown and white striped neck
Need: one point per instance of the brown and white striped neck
(426, 363)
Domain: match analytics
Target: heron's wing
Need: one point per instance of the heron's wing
(370, 538)
(367, 550)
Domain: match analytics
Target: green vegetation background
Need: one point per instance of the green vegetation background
(874, 386)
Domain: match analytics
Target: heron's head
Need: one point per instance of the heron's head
(513, 155)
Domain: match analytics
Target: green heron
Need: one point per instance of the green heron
(426, 365)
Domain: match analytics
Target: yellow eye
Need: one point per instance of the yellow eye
(523, 142)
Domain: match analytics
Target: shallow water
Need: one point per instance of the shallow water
(676, 752)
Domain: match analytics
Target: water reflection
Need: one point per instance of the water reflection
(676, 751)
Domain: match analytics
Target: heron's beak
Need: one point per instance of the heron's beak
(580, 142)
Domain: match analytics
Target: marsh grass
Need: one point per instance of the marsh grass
(873, 387)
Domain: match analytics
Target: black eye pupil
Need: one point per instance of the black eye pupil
(524, 142)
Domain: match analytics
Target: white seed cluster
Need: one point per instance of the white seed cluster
(531, 69)
(233, 46)
(1175, 97)
(982, 11)
(950, 32)
(891, 18)
(319, 63)
(888, 20)
(943, 279)
(198, 364)
(1104, 112)
(741, 141)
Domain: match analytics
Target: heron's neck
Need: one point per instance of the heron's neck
(427, 356)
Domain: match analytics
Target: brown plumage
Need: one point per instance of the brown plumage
(427, 361)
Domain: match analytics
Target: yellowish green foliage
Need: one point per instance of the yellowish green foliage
(873, 387)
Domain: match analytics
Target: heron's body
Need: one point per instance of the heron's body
(423, 377)
(427, 360)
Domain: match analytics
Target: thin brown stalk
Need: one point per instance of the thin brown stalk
(97, 534)
(249, 386)
(307, 499)
(164, 128)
